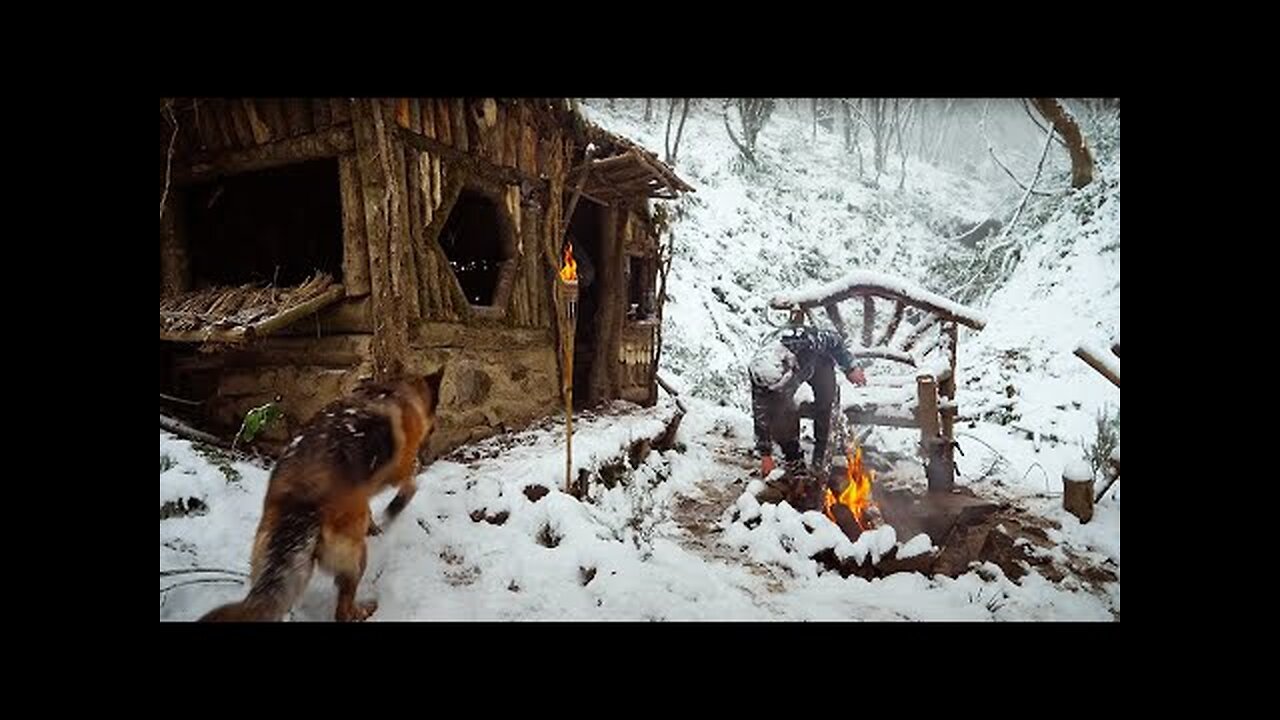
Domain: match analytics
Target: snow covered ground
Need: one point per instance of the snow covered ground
(659, 546)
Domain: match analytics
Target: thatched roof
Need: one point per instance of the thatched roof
(239, 313)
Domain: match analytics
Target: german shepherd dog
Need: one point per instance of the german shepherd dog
(317, 504)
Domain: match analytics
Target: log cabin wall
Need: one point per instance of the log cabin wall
(402, 165)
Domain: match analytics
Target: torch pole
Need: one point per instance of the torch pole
(568, 292)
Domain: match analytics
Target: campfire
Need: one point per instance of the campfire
(852, 509)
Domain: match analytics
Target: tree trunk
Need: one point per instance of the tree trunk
(1081, 160)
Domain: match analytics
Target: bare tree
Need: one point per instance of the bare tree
(648, 110)
(753, 113)
(671, 111)
(1065, 124)
(852, 131)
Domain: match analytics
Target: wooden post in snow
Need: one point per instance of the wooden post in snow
(1077, 490)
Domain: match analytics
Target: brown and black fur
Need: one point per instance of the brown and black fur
(317, 504)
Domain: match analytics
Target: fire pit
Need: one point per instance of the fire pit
(964, 530)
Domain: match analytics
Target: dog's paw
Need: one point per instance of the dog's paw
(358, 612)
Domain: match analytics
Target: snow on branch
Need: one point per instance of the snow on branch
(865, 282)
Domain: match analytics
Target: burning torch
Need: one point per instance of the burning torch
(567, 294)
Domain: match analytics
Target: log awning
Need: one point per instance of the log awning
(633, 172)
(241, 313)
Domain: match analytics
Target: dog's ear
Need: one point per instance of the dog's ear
(433, 384)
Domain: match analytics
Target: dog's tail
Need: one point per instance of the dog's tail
(285, 551)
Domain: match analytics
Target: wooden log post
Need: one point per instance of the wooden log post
(175, 266)
(1077, 490)
(947, 389)
(382, 225)
(868, 320)
(355, 246)
(938, 469)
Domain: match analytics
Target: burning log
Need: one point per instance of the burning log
(843, 517)
(847, 497)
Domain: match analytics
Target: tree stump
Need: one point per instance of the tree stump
(1077, 491)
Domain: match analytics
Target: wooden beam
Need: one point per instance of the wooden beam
(833, 313)
(898, 309)
(328, 143)
(355, 246)
(1110, 369)
(868, 320)
(891, 294)
(923, 327)
(510, 176)
(567, 217)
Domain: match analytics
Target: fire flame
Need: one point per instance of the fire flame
(569, 272)
(857, 494)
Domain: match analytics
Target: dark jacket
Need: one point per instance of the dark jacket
(784, 362)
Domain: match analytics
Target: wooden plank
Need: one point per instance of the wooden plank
(321, 113)
(868, 320)
(325, 144)
(402, 112)
(437, 183)
(497, 135)
(206, 132)
(428, 117)
(458, 120)
(426, 181)
(525, 155)
(404, 277)
(511, 140)
(240, 123)
(222, 118)
(261, 133)
(340, 109)
(297, 116)
(355, 247)
(415, 116)
(444, 122)
(272, 113)
(413, 191)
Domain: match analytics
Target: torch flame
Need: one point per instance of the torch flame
(857, 494)
(569, 271)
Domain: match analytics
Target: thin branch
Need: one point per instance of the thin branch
(201, 581)
(168, 165)
(1027, 106)
(188, 571)
(982, 127)
(171, 398)
(1027, 195)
